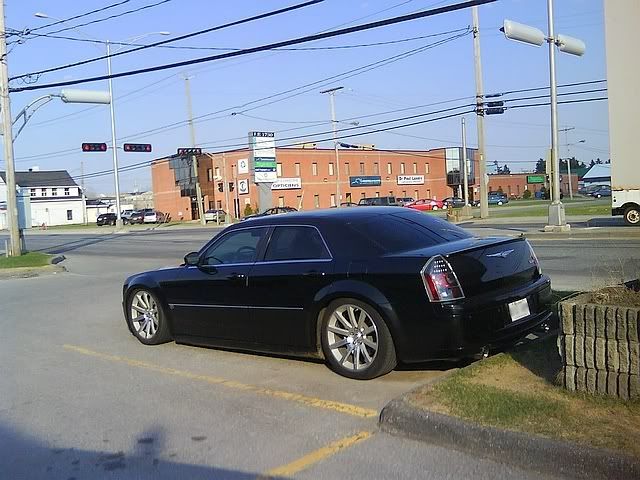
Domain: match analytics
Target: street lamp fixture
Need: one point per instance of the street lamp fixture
(334, 124)
(533, 36)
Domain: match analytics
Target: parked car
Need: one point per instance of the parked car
(106, 219)
(454, 202)
(153, 216)
(218, 216)
(426, 204)
(126, 215)
(378, 201)
(138, 215)
(402, 201)
(498, 199)
(271, 211)
(325, 283)
(601, 192)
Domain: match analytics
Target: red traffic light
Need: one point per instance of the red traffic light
(94, 147)
(189, 151)
(137, 147)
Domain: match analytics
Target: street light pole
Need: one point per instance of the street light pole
(194, 158)
(15, 249)
(334, 125)
(114, 146)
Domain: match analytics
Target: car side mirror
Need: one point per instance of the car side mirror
(192, 258)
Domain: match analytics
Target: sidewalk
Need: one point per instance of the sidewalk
(110, 230)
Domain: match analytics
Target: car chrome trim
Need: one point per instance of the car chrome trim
(310, 260)
(250, 307)
(502, 254)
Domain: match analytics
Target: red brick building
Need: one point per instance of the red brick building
(308, 178)
(515, 184)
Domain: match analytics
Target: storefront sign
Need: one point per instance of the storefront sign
(365, 181)
(263, 156)
(535, 178)
(410, 179)
(287, 184)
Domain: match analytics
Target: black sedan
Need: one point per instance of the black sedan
(106, 219)
(363, 288)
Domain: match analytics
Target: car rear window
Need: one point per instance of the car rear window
(407, 231)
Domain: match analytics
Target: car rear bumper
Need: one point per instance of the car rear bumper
(468, 327)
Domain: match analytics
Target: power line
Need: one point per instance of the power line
(181, 37)
(271, 46)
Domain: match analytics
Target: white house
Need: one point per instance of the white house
(56, 199)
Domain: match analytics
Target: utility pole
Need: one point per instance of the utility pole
(566, 131)
(114, 145)
(15, 249)
(85, 219)
(194, 158)
(465, 174)
(225, 187)
(334, 125)
(482, 168)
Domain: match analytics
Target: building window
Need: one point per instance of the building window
(518, 189)
(331, 172)
(416, 195)
(347, 171)
(297, 165)
(426, 168)
(219, 204)
(66, 192)
(361, 168)
(279, 170)
(389, 169)
(333, 199)
(299, 199)
(314, 169)
(415, 168)
(376, 169)
(391, 194)
(377, 194)
(210, 174)
(212, 205)
(281, 201)
(69, 214)
(217, 172)
(33, 192)
(402, 168)
(54, 192)
(316, 200)
(404, 193)
(428, 193)
(363, 195)
(43, 192)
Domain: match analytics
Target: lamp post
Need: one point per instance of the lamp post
(334, 125)
(533, 36)
(114, 146)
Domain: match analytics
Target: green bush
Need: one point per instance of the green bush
(527, 194)
(248, 210)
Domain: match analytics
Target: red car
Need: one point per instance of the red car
(426, 204)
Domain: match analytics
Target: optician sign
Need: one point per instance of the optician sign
(410, 179)
(263, 156)
(287, 184)
(365, 181)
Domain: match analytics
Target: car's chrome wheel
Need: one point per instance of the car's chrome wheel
(353, 337)
(356, 341)
(146, 318)
(435, 207)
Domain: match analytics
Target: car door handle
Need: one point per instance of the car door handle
(236, 276)
(313, 273)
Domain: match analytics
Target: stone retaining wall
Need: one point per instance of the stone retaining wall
(599, 348)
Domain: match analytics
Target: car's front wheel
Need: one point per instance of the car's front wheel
(632, 216)
(356, 341)
(147, 320)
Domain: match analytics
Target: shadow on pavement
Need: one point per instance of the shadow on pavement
(29, 458)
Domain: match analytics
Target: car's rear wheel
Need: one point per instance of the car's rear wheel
(632, 216)
(356, 341)
(146, 318)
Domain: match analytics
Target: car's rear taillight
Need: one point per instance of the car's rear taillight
(533, 259)
(440, 280)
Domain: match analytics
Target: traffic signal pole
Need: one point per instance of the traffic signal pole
(194, 158)
(114, 145)
(482, 166)
(15, 249)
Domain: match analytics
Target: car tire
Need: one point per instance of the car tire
(598, 196)
(435, 207)
(499, 203)
(363, 351)
(632, 216)
(150, 326)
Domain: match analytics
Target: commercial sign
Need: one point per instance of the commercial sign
(243, 187)
(365, 181)
(410, 179)
(263, 156)
(243, 166)
(535, 178)
(287, 184)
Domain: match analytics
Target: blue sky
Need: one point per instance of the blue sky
(518, 138)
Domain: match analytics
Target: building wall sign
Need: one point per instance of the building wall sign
(287, 184)
(243, 166)
(535, 178)
(263, 156)
(365, 181)
(410, 179)
(243, 187)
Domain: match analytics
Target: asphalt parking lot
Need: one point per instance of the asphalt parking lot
(83, 399)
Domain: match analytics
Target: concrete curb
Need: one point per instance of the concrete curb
(57, 259)
(530, 452)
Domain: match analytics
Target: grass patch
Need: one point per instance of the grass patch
(517, 391)
(31, 259)
(543, 210)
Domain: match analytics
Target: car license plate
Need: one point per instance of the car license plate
(519, 309)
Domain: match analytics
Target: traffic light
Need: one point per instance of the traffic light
(220, 187)
(137, 147)
(231, 186)
(189, 151)
(94, 147)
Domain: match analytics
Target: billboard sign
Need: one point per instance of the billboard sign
(287, 184)
(410, 179)
(263, 156)
(365, 181)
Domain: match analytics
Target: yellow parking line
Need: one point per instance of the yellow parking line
(346, 408)
(317, 455)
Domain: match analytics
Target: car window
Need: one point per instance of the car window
(296, 243)
(240, 246)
